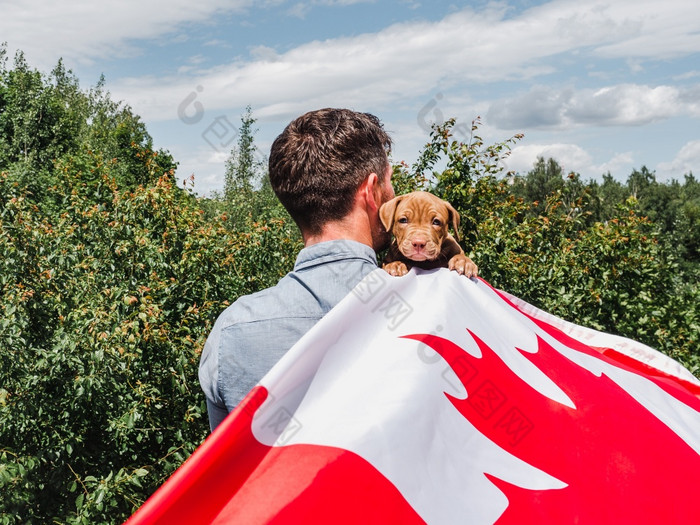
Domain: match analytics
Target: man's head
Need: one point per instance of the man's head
(320, 161)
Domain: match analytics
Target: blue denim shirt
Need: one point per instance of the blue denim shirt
(252, 334)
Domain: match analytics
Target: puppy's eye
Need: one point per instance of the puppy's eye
(403, 220)
(437, 222)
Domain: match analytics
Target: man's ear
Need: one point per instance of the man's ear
(387, 212)
(453, 217)
(371, 190)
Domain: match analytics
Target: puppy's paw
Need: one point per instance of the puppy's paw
(463, 265)
(396, 268)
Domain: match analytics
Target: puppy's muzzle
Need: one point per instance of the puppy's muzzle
(418, 246)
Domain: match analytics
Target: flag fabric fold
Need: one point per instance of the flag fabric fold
(433, 398)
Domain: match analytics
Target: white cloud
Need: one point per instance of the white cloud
(620, 164)
(657, 31)
(205, 164)
(84, 31)
(464, 48)
(687, 75)
(687, 160)
(569, 156)
(619, 105)
(409, 59)
(625, 104)
(347, 69)
(264, 53)
(300, 9)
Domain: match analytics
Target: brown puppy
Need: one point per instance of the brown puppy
(419, 222)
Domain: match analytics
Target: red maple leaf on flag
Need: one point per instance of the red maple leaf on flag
(619, 462)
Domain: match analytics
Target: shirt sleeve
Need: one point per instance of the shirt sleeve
(216, 414)
(209, 368)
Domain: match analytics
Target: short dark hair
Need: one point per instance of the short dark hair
(320, 160)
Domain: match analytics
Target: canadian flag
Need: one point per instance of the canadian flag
(433, 398)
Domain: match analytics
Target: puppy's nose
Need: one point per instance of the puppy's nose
(418, 244)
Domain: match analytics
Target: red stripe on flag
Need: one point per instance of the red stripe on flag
(661, 376)
(317, 484)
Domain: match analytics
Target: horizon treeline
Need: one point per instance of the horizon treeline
(112, 275)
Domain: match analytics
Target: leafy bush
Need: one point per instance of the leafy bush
(110, 280)
(105, 310)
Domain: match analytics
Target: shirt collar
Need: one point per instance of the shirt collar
(330, 251)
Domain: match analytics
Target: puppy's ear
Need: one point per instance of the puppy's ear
(453, 217)
(387, 211)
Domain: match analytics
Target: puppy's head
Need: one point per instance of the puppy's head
(419, 222)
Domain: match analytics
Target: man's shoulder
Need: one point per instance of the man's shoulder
(320, 279)
(267, 303)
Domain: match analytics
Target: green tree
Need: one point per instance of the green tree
(105, 308)
(606, 197)
(545, 178)
(639, 181)
(244, 172)
(688, 223)
(110, 280)
(45, 118)
(248, 199)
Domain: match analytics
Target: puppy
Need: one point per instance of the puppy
(419, 222)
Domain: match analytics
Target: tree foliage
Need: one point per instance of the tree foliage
(110, 280)
(112, 276)
(247, 198)
(243, 169)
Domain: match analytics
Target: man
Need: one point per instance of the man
(330, 170)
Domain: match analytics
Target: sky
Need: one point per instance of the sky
(600, 86)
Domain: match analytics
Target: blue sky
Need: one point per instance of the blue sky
(599, 86)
